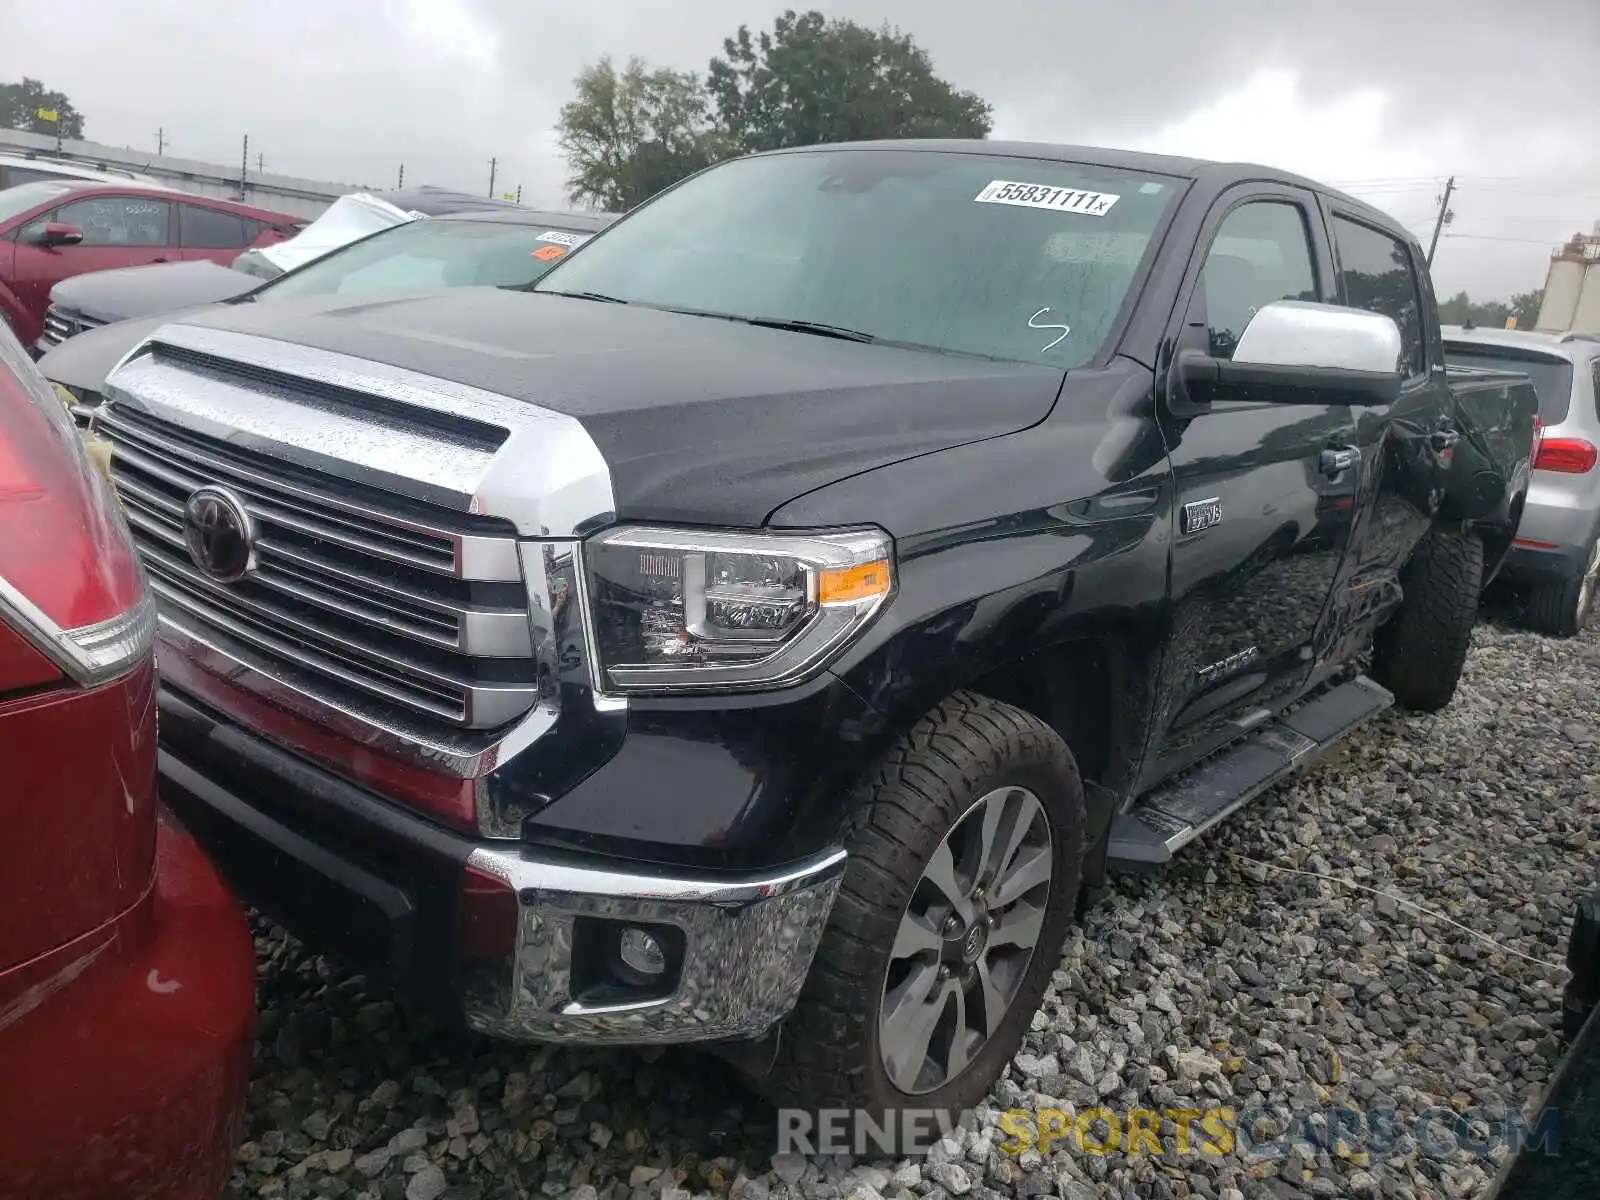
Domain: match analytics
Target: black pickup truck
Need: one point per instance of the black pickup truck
(765, 628)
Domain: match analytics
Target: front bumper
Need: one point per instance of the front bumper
(387, 892)
(748, 941)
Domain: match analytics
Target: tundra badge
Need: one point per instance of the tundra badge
(1201, 515)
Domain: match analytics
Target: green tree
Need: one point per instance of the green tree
(1525, 307)
(629, 133)
(20, 104)
(1461, 309)
(813, 80)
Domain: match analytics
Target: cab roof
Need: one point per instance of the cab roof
(1212, 176)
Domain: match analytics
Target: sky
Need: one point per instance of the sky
(1383, 97)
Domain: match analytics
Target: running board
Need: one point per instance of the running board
(1171, 817)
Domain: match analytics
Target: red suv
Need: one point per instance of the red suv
(127, 971)
(56, 228)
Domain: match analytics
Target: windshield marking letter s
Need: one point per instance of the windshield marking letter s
(1032, 324)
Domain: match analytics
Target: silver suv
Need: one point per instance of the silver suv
(1557, 550)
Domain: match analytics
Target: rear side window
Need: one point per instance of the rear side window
(208, 229)
(1552, 376)
(1376, 273)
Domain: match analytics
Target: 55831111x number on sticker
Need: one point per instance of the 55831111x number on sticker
(1038, 195)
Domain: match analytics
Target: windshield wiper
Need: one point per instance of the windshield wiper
(600, 296)
(817, 327)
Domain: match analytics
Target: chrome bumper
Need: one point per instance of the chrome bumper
(748, 945)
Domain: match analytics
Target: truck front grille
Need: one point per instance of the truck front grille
(372, 596)
(63, 323)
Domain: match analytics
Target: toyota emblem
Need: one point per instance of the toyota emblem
(218, 532)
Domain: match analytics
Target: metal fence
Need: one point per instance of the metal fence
(281, 193)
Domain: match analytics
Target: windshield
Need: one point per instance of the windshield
(1552, 376)
(1009, 258)
(431, 254)
(19, 199)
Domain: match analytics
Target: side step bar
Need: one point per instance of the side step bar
(1171, 817)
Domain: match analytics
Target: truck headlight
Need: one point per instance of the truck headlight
(679, 609)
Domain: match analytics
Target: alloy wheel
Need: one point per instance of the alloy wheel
(965, 940)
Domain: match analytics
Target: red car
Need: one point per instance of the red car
(127, 971)
(56, 228)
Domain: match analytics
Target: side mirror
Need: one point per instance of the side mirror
(57, 233)
(1295, 352)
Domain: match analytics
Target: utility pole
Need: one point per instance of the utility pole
(400, 183)
(1445, 216)
(519, 193)
(244, 166)
(261, 164)
(494, 164)
(161, 140)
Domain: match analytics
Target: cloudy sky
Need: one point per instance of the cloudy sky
(1385, 97)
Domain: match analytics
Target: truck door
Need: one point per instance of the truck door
(1264, 488)
(1405, 447)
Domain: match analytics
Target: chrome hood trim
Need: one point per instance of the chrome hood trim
(432, 439)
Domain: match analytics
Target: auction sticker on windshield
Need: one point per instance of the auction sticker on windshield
(1034, 195)
(562, 238)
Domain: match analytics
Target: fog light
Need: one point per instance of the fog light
(641, 952)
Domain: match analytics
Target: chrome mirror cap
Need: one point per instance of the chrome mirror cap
(1296, 333)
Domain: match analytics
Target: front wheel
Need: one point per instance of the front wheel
(964, 869)
(1419, 653)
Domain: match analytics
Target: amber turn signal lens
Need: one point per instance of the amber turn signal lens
(848, 585)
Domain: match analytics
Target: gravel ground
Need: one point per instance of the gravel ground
(1218, 982)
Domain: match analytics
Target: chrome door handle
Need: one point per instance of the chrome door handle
(1338, 461)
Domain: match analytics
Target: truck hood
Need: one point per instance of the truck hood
(700, 420)
(141, 291)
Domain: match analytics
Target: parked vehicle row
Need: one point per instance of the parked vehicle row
(103, 297)
(499, 248)
(54, 229)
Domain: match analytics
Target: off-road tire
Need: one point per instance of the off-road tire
(1553, 603)
(827, 1056)
(1419, 652)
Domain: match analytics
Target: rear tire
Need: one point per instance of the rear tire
(1419, 652)
(1562, 606)
(891, 928)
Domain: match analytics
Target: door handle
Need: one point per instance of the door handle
(1444, 439)
(1337, 461)
(163, 259)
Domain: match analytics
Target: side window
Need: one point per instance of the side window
(1376, 273)
(1261, 253)
(208, 229)
(118, 220)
